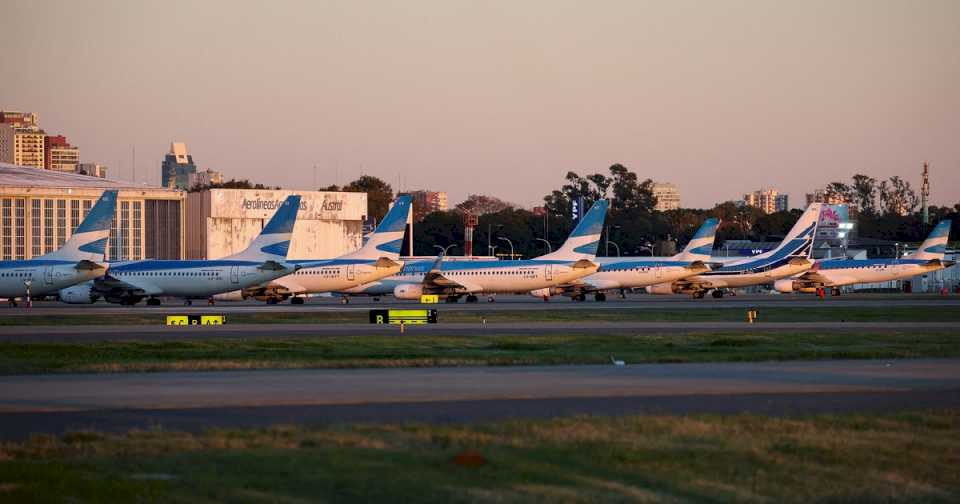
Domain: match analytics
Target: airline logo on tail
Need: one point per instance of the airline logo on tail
(273, 242)
(387, 239)
(89, 240)
(935, 246)
(583, 241)
(701, 245)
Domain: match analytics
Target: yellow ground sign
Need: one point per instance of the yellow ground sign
(196, 319)
(403, 316)
(429, 299)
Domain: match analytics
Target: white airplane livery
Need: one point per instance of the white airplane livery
(454, 279)
(378, 258)
(835, 273)
(618, 273)
(264, 260)
(78, 260)
(792, 256)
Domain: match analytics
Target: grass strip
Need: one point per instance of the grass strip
(907, 456)
(435, 350)
(835, 313)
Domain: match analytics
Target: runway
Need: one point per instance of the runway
(503, 302)
(197, 400)
(95, 333)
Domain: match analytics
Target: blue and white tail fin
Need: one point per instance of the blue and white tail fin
(700, 247)
(936, 243)
(583, 241)
(273, 242)
(799, 241)
(89, 241)
(387, 239)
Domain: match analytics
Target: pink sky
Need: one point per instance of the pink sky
(503, 98)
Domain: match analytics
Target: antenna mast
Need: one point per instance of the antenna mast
(925, 198)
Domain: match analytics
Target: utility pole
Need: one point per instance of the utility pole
(925, 197)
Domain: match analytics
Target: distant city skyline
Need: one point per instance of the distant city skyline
(500, 98)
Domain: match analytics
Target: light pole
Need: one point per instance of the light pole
(615, 245)
(493, 251)
(508, 241)
(647, 248)
(445, 249)
(490, 245)
(549, 247)
(606, 248)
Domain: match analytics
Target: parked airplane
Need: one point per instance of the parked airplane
(792, 256)
(78, 260)
(378, 258)
(835, 273)
(455, 279)
(130, 282)
(619, 273)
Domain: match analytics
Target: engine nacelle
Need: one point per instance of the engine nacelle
(546, 292)
(236, 295)
(784, 285)
(661, 289)
(79, 294)
(408, 291)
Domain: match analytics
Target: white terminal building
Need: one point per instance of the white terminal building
(221, 222)
(40, 208)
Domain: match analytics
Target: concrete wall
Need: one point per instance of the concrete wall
(221, 222)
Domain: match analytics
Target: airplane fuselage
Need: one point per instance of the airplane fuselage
(192, 278)
(333, 275)
(45, 276)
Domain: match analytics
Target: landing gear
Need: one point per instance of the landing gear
(491, 299)
(153, 302)
(717, 294)
(376, 300)
(835, 291)
(600, 297)
(272, 300)
(296, 300)
(698, 294)
(579, 297)
(211, 301)
(452, 299)
(623, 294)
(13, 302)
(345, 300)
(471, 299)
(186, 302)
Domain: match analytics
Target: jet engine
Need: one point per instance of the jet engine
(661, 289)
(546, 292)
(408, 291)
(79, 294)
(784, 285)
(236, 295)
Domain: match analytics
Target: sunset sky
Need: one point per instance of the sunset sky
(501, 98)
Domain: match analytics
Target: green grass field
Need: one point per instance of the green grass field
(829, 313)
(909, 456)
(413, 350)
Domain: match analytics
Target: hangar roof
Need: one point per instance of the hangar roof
(20, 176)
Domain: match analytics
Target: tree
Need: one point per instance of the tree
(478, 204)
(897, 197)
(838, 191)
(864, 192)
(230, 184)
(379, 194)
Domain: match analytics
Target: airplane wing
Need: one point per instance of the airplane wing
(87, 265)
(699, 266)
(386, 262)
(109, 283)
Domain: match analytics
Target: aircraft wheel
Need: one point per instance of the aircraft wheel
(698, 295)
(717, 294)
(271, 300)
(581, 297)
(13, 302)
(472, 299)
(153, 302)
(345, 300)
(453, 299)
(600, 297)
(376, 299)
(835, 291)
(296, 300)
(491, 299)
(187, 302)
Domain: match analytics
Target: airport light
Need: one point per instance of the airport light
(511, 245)
(611, 242)
(445, 250)
(549, 247)
(607, 245)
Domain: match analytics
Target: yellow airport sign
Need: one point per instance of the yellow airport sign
(196, 319)
(403, 316)
(429, 299)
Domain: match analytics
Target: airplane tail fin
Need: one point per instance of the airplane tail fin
(583, 241)
(89, 241)
(273, 242)
(936, 243)
(700, 247)
(799, 241)
(387, 239)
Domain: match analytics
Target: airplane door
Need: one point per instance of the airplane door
(351, 272)
(48, 275)
(548, 272)
(235, 274)
(658, 271)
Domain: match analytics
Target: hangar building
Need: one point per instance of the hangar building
(221, 222)
(40, 208)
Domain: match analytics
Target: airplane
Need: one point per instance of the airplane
(130, 282)
(619, 273)
(378, 258)
(835, 273)
(455, 279)
(78, 260)
(792, 256)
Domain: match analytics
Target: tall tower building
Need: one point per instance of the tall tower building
(177, 167)
(59, 155)
(768, 200)
(668, 196)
